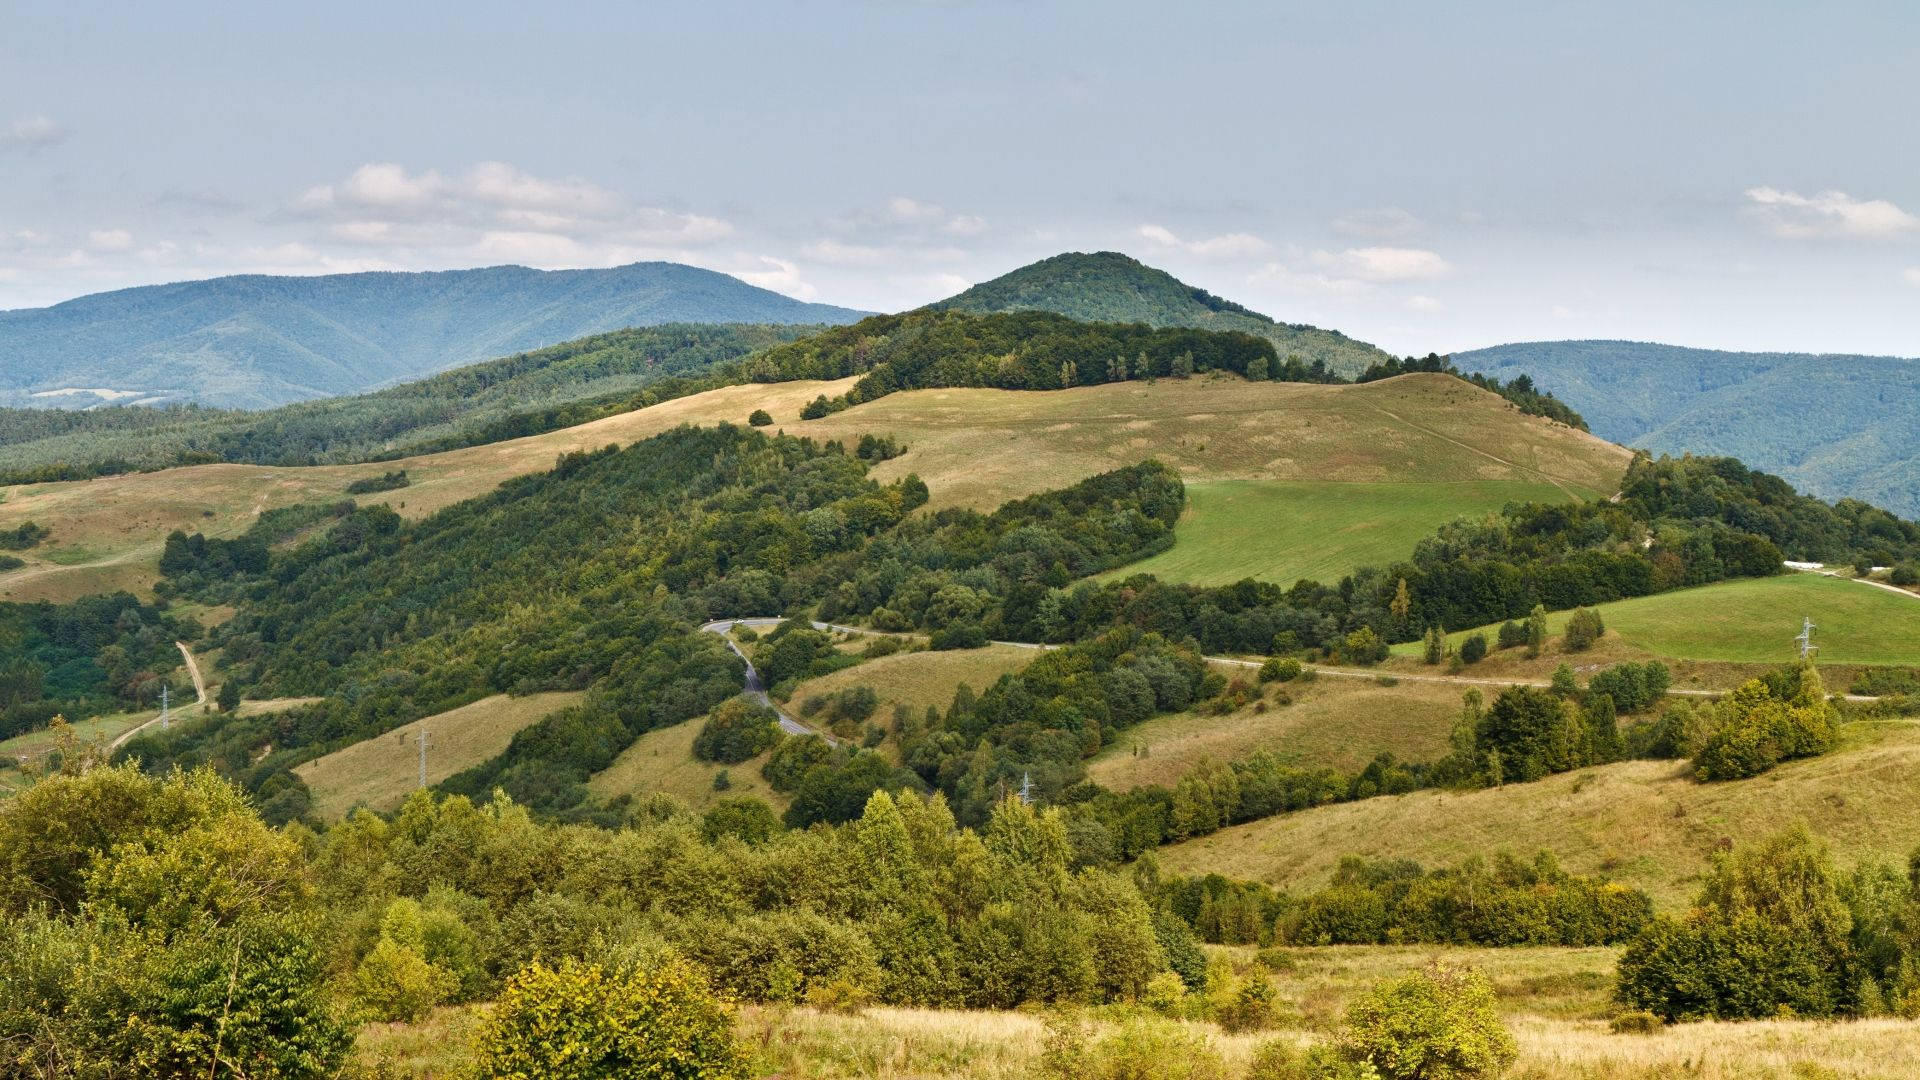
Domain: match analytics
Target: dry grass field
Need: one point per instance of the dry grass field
(974, 448)
(920, 679)
(107, 532)
(379, 772)
(662, 762)
(1646, 823)
(1340, 723)
(1553, 1000)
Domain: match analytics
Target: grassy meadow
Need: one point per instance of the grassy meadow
(1554, 1000)
(662, 762)
(1340, 723)
(973, 447)
(1646, 823)
(379, 772)
(1754, 621)
(1286, 530)
(919, 679)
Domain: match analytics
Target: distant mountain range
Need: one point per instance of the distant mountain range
(256, 341)
(1833, 425)
(1107, 286)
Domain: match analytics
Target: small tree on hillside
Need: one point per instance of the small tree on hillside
(1434, 645)
(1536, 631)
(1401, 605)
(1257, 368)
(1583, 629)
(229, 696)
(578, 1022)
(760, 418)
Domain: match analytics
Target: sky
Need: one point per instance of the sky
(1429, 177)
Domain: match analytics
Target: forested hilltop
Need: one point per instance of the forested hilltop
(257, 341)
(537, 391)
(1836, 426)
(1107, 286)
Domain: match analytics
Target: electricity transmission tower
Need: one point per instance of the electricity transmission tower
(423, 757)
(165, 709)
(1805, 640)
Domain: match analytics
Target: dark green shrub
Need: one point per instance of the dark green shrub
(759, 418)
(1583, 629)
(1474, 649)
(741, 728)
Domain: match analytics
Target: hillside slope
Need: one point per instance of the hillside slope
(1106, 286)
(1416, 450)
(1832, 425)
(256, 341)
(1646, 823)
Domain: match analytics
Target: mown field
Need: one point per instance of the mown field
(974, 448)
(1554, 1000)
(1283, 531)
(919, 679)
(1755, 621)
(379, 772)
(1340, 723)
(1647, 823)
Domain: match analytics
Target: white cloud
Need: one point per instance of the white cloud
(1913, 276)
(1382, 265)
(1562, 311)
(964, 225)
(1298, 280)
(110, 240)
(1224, 246)
(1829, 213)
(1386, 223)
(30, 133)
(495, 211)
(1424, 303)
(906, 220)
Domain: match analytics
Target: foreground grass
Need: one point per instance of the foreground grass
(1554, 1001)
(379, 772)
(1646, 823)
(1754, 621)
(1339, 723)
(1282, 531)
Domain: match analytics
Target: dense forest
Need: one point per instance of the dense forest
(99, 654)
(1108, 287)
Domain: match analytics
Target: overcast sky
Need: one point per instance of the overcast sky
(1424, 176)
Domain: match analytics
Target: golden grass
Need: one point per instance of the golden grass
(973, 447)
(919, 1044)
(1646, 823)
(379, 772)
(662, 761)
(1341, 723)
(120, 522)
(920, 679)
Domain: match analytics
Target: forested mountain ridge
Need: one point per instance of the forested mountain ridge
(558, 386)
(1106, 286)
(1837, 426)
(256, 341)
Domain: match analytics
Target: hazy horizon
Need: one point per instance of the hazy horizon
(1428, 180)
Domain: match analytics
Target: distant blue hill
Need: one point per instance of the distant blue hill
(1833, 425)
(256, 341)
